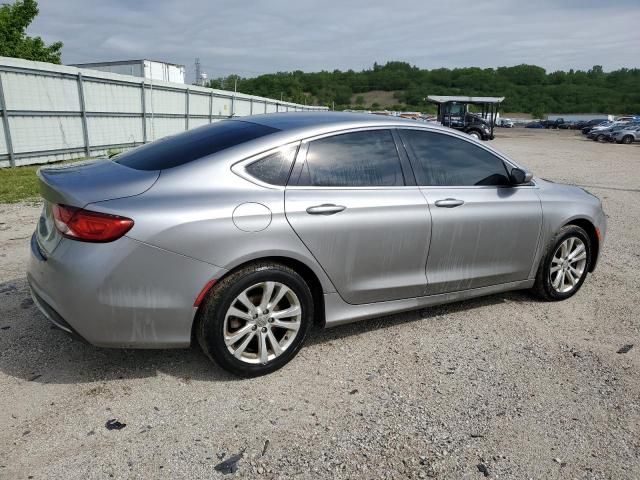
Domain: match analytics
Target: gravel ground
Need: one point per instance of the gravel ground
(504, 386)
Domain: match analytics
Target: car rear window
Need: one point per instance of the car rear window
(191, 145)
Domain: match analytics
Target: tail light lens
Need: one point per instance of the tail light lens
(88, 226)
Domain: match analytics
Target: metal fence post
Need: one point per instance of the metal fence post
(83, 114)
(211, 106)
(186, 110)
(251, 106)
(233, 104)
(5, 122)
(144, 113)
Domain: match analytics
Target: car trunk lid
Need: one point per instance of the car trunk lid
(80, 184)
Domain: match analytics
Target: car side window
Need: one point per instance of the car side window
(444, 160)
(357, 159)
(274, 168)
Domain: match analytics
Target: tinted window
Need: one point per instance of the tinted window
(188, 146)
(359, 159)
(273, 169)
(444, 160)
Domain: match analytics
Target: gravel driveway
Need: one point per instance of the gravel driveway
(504, 386)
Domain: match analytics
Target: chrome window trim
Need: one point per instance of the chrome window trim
(302, 146)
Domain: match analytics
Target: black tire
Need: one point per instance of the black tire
(627, 139)
(475, 133)
(599, 138)
(543, 287)
(210, 327)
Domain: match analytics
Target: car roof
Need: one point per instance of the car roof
(291, 121)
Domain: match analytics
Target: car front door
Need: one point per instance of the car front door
(485, 231)
(348, 201)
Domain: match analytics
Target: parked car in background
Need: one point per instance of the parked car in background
(243, 233)
(505, 123)
(605, 134)
(534, 125)
(587, 126)
(627, 135)
(628, 118)
(554, 124)
(567, 126)
(599, 126)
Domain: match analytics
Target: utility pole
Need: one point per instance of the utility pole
(198, 72)
(201, 77)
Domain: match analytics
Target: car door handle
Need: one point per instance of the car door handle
(449, 203)
(325, 209)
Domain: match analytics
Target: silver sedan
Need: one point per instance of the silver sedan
(242, 234)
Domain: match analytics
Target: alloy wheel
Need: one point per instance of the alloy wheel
(262, 322)
(568, 265)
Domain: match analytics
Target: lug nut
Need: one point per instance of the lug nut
(264, 329)
(254, 327)
(271, 320)
(266, 311)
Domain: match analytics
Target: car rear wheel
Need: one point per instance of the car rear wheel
(255, 320)
(565, 264)
(627, 139)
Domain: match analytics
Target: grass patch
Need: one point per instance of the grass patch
(19, 184)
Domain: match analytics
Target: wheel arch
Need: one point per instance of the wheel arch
(591, 230)
(307, 274)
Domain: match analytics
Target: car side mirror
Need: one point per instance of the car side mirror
(519, 176)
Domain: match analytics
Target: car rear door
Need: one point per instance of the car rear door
(485, 231)
(368, 227)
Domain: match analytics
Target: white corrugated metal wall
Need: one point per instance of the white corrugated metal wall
(55, 112)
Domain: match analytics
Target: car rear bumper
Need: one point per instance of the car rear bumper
(119, 294)
(53, 316)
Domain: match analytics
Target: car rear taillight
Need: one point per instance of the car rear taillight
(87, 226)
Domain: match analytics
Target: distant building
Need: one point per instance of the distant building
(151, 69)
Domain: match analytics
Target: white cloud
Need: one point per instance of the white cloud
(252, 37)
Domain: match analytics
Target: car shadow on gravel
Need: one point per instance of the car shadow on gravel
(424, 314)
(31, 349)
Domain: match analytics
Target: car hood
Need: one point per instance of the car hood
(567, 191)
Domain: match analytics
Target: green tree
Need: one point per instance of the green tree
(360, 100)
(526, 88)
(14, 42)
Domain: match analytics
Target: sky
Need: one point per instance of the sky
(251, 37)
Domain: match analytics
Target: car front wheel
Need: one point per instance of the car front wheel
(256, 319)
(565, 264)
(475, 135)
